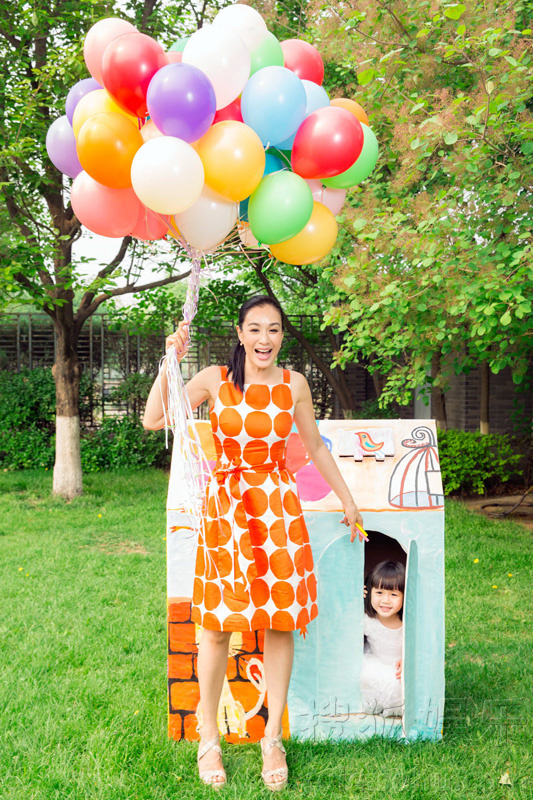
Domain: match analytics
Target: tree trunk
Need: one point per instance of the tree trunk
(438, 399)
(484, 425)
(66, 371)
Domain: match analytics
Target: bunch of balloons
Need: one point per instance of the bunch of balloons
(229, 127)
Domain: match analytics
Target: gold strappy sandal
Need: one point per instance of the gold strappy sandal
(208, 776)
(267, 743)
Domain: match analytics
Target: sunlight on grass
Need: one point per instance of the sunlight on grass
(83, 669)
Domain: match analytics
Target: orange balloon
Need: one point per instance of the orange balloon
(353, 107)
(313, 242)
(97, 102)
(233, 159)
(106, 146)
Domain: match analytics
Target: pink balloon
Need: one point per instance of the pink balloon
(97, 39)
(149, 226)
(149, 131)
(103, 210)
(174, 56)
(331, 198)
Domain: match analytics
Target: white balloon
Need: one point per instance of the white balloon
(222, 55)
(331, 198)
(167, 175)
(239, 16)
(246, 21)
(207, 223)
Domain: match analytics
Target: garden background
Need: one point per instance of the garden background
(428, 288)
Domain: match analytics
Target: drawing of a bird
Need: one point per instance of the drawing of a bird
(367, 443)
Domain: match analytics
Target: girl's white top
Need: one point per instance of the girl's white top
(385, 643)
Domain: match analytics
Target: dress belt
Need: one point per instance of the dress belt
(236, 467)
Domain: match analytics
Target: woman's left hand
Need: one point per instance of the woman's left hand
(353, 518)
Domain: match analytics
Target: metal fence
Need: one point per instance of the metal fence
(109, 355)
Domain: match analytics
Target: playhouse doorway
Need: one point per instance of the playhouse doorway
(382, 548)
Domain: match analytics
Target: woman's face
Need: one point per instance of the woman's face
(261, 335)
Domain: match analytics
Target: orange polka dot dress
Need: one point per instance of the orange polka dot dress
(254, 566)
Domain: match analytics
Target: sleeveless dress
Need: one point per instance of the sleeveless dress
(380, 688)
(254, 566)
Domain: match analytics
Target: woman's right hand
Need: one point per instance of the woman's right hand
(180, 340)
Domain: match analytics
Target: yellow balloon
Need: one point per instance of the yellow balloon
(97, 102)
(313, 242)
(233, 159)
(353, 107)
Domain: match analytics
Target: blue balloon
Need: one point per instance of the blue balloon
(317, 97)
(273, 103)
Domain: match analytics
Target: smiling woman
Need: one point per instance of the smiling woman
(254, 565)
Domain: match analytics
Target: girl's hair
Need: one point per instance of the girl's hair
(385, 575)
(238, 357)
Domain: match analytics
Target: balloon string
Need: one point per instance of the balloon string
(194, 468)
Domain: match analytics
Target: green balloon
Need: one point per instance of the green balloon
(280, 207)
(179, 46)
(361, 169)
(268, 53)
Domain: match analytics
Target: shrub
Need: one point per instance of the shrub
(475, 462)
(27, 428)
(122, 443)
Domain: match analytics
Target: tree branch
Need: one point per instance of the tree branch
(128, 289)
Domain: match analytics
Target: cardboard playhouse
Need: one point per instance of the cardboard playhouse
(392, 468)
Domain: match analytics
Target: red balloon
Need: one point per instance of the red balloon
(233, 111)
(327, 143)
(149, 226)
(303, 59)
(128, 66)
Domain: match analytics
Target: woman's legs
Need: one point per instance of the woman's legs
(212, 664)
(278, 658)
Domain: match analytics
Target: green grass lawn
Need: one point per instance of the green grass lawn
(83, 664)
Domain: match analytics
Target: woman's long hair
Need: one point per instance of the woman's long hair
(238, 357)
(388, 575)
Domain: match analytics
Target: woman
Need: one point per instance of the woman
(254, 567)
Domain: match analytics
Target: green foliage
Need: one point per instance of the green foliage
(435, 251)
(27, 416)
(473, 462)
(27, 423)
(133, 391)
(122, 443)
(373, 409)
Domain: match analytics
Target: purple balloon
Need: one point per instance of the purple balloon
(61, 147)
(181, 101)
(79, 90)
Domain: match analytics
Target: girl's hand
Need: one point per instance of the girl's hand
(180, 340)
(352, 517)
(399, 669)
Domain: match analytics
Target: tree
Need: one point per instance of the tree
(433, 273)
(40, 48)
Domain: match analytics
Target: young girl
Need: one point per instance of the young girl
(382, 660)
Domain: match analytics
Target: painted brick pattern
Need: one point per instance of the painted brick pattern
(245, 661)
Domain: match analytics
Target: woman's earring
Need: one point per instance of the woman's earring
(240, 344)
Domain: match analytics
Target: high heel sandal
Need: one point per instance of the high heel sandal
(208, 775)
(267, 743)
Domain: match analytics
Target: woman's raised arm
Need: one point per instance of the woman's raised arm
(200, 388)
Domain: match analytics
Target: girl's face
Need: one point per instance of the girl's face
(261, 335)
(387, 603)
